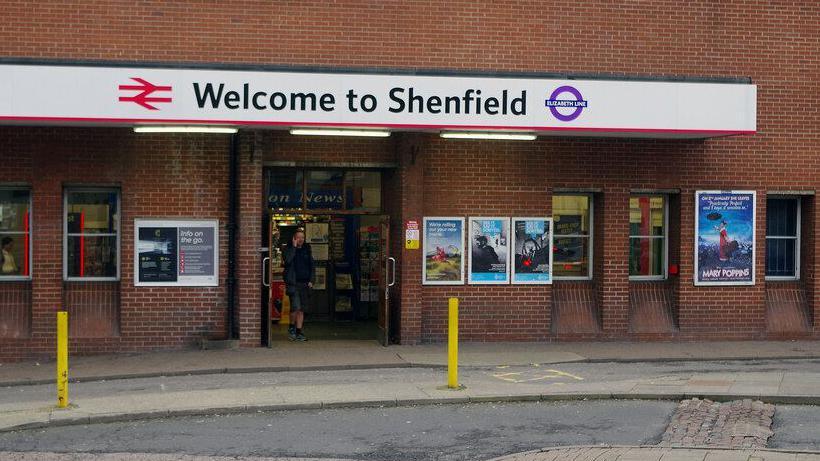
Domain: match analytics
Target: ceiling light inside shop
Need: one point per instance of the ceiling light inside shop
(185, 129)
(325, 132)
(488, 135)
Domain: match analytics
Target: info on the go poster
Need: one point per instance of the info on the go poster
(176, 252)
(725, 237)
(443, 251)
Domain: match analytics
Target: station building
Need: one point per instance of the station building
(640, 171)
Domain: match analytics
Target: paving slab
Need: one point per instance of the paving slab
(342, 354)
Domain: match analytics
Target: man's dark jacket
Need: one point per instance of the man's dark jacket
(290, 272)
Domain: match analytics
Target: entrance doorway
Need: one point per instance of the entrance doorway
(350, 247)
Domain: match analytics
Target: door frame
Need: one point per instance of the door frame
(387, 277)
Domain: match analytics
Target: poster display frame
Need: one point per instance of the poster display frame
(513, 244)
(188, 281)
(426, 242)
(505, 221)
(696, 218)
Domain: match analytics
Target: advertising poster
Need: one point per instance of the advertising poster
(316, 232)
(176, 253)
(532, 243)
(443, 251)
(157, 254)
(725, 237)
(489, 251)
(196, 252)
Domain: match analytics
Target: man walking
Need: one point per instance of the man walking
(299, 273)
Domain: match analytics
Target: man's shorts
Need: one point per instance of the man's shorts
(299, 297)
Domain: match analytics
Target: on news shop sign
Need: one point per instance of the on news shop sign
(119, 95)
(170, 252)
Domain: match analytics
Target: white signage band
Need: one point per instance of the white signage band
(70, 95)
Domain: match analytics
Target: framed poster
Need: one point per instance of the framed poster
(176, 252)
(321, 278)
(443, 251)
(532, 244)
(489, 251)
(157, 254)
(316, 232)
(725, 237)
(320, 251)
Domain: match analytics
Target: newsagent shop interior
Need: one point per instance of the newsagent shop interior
(562, 188)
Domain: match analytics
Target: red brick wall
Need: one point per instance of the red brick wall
(486, 179)
(330, 150)
(159, 176)
(774, 43)
(476, 178)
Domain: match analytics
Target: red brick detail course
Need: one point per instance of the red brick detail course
(15, 310)
(650, 307)
(574, 309)
(787, 309)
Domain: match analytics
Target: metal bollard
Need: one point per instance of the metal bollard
(62, 359)
(452, 345)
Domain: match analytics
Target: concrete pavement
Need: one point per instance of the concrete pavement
(357, 374)
(782, 381)
(333, 355)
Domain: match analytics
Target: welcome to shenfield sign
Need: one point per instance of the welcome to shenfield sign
(96, 95)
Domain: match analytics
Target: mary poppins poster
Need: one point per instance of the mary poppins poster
(725, 238)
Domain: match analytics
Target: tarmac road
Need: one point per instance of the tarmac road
(430, 432)
(796, 426)
(440, 432)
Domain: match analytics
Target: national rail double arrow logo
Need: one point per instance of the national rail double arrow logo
(146, 89)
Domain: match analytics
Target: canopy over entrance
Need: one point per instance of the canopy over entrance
(99, 95)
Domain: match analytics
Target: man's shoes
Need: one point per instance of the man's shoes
(292, 333)
(300, 337)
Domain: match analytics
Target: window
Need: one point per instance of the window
(363, 190)
(647, 237)
(92, 235)
(15, 234)
(572, 252)
(783, 238)
(324, 189)
(285, 188)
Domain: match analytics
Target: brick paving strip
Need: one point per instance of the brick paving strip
(704, 423)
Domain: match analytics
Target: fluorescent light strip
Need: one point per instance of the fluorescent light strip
(320, 132)
(486, 135)
(184, 129)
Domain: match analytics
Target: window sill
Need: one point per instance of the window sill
(14, 278)
(90, 279)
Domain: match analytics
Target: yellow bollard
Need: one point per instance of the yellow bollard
(62, 359)
(452, 345)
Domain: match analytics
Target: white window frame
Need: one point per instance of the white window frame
(589, 238)
(70, 190)
(665, 237)
(797, 238)
(21, 278)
